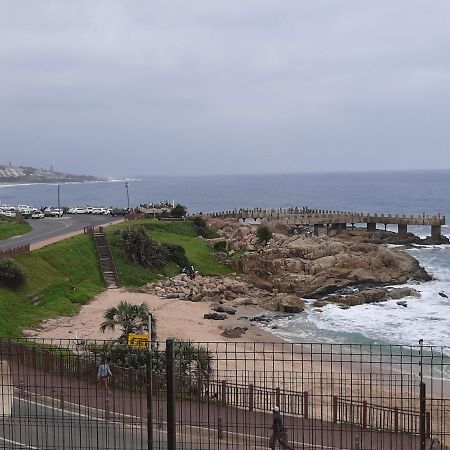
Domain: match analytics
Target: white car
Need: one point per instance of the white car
(8, 213)
(25, 209)
(37, 215)
(97, 210)
(79, 211)
(55, 212)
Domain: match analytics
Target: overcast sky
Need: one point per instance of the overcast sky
(137, 87)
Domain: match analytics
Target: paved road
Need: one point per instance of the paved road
(49, 228)
(35, 425)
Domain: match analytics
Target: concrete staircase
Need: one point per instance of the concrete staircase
(105, 257)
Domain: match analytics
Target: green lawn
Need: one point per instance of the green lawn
(60, 278)
(10, 227)
(179, 232)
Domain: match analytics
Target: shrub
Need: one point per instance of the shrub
(199, 222)
(11, 274)
(220, 246)
(176, 253)
(141, 249)
(264, 234)
(178, 211)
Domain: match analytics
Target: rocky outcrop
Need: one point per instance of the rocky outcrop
(317, 266)
(375, 295)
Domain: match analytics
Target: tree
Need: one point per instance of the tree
(129, 318)
(264, 234)
(178, 211)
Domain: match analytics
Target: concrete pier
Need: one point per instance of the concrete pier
(335, 219)
(402, 229)
(436, 231)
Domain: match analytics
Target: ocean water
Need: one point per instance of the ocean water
(427, 318)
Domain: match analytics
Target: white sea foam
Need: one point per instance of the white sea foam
(427, 318)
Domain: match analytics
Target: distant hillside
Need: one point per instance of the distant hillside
(11, 174)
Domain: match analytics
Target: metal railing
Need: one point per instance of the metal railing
(220, 395)
(10, 253)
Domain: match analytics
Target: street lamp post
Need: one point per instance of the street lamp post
(128, 195)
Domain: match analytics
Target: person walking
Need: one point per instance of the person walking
(278, 431)
(104, 374)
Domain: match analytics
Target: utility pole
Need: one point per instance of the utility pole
(59, 203)
(128, 195)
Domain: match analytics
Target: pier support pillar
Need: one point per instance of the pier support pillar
(371, 226)
(316, 229)
(402, 229)
(436, 231)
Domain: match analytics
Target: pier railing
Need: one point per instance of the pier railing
(318, 216)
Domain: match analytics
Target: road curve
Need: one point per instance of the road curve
(52, 228)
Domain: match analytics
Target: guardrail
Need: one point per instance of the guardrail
(10, 253)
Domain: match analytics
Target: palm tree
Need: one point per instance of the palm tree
(129, 318)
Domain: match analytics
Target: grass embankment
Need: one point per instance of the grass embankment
(65, 275)
(59, 278)
(181, 233)
(12, 227)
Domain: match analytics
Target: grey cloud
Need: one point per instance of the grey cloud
(214, 87)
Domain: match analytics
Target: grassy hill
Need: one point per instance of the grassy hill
(63, 276)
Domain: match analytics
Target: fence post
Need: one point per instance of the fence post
(335, 409)
(422, 417)
(250, 397)
(170, 379)
(224, 392)
(364, 414)
(396, 419)
(305, 404)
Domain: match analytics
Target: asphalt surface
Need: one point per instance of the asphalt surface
(35, 425)
(49, 228)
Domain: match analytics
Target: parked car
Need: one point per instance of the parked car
(37, 215)
(119, 212)
(56, 212)
(77, 211)
(8, 213)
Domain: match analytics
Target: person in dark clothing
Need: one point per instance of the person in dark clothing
(278, 431)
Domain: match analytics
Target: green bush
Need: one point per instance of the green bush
(178, 211)
(264, 234)
(141, 249)
(11, 274)
(220, 246)
(176, 254)
(199, 222)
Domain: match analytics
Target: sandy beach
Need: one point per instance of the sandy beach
(179, 319)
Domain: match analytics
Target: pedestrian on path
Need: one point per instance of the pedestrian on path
(278, 431)
(104, 374)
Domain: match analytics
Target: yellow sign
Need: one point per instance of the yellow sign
(138, 340)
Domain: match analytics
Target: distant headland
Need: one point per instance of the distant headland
(22, 174)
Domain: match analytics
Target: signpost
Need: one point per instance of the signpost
(138, 341)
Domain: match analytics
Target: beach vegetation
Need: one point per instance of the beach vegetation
(129, 318)
(264, 234)
(220, 246)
